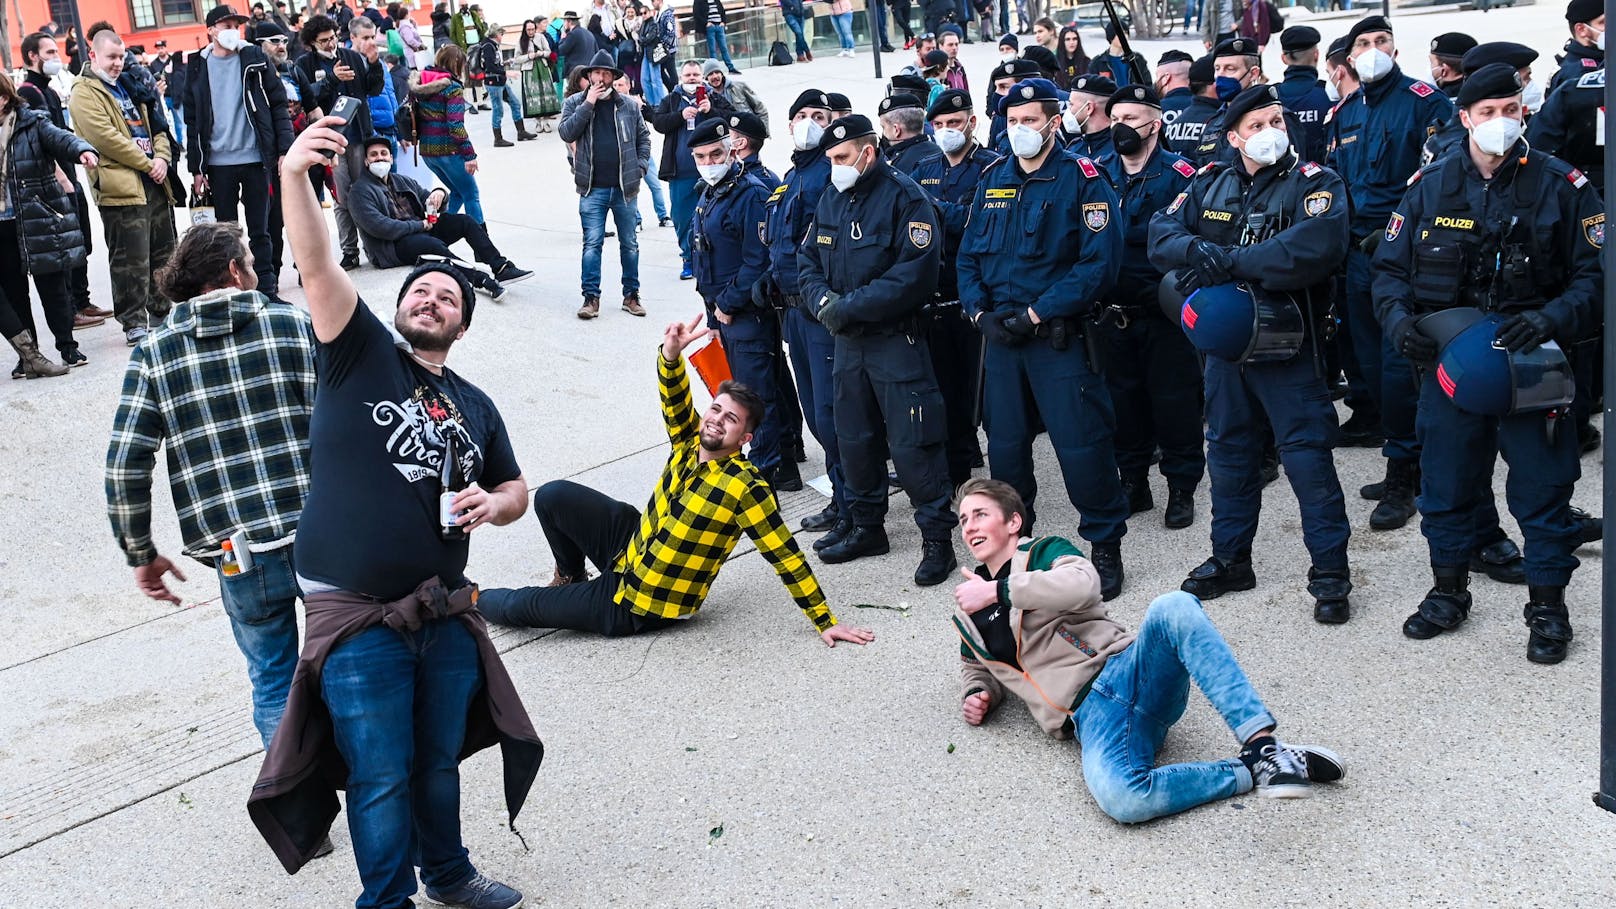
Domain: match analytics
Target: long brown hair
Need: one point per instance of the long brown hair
(452, 60)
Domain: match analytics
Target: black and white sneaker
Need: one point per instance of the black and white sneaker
(508, 273)
(1323, 765)
(1281, 773)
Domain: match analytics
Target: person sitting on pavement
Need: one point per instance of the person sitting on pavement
(656, 568)
(398, 225)
(1031, 623)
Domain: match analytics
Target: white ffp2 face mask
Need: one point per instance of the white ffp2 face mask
(380, 169)
(229, 38)
(1331, 92)
(1267, 147)
(950, 140)
(713, 173)
(1025, 141)
(51, 67)
(1497, 136)
(1532, 96)
(805, 134)
(1372, 65)
(843, 176)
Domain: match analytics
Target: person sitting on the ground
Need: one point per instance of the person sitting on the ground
(1031, 623)
(656, 569)
(398, 226)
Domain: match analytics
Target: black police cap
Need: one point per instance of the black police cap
(951, 101)
(1495, 80)
(749, 125)
(1132, 94)
(1298, 38)
(1516, 55)
(1235, 47)
(1253, 98)
(1203, 71)
(813, 97)
(1338, 48)
(1031, 91)
(1452, 44)
(709, 131)
(900, 101)
(1023, 68)
(852, 126)
(911, 83)
(1376, 23)
(1094, 85)
(1584, 11)
(1174, 56)
(839, 101)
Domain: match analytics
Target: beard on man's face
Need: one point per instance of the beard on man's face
(435, 338)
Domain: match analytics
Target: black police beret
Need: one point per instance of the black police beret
(1202, 71)
(950, 101)
(838, 101)
(999, 72)
(1375, 23)
(852, 126)
(1041, 57)
(1253, 98)
(1132, 94)
(1584, 11)
(709, 131)
(1175, 56)
(749, 125)
(1452, 44)
(900, 101)
(1516, 55)
(936, 59)
(912, 83)
(1495, 80)
(813, 97)
(1010, 40)
(1030, 91)
(1298, 37)
(1235, 47)
(1022, 68)
(1094, 85)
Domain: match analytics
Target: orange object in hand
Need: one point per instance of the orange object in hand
(711, 364)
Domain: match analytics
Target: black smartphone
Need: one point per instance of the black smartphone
(347, 107)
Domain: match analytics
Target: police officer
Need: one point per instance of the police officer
(951, 177)
(1302, 91)
(1183, 135)
(1237, 65)
(867, 265)
(1040, 251)
(1085, 128)
(1173, 84)
(1447, 61)
(1585, 50)
(1507, 229)
(1151, 370)
(1453, 134)
(1278, 225)
(903, 127)
(747, 133)
(1376, 141)
(728, 259)
(840, 106)
(790, 211)
(1005, 75)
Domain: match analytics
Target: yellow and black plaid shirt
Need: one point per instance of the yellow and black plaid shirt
(695, 516)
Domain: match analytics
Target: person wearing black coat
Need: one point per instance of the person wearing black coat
(341, 72)
(676, 118)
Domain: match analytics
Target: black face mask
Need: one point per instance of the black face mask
(1126, 139)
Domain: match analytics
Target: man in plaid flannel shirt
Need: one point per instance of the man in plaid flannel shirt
(226, 386)
(656, 569)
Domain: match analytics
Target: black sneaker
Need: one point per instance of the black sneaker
(937, 563)
(74, 357)
(510, 274)
(1107, 560)
(349, 263)
(821, 522)
(1323, 765)
(481, 892)
(1280, 773)
(838, 533)
(1214, 578)
(859, 542)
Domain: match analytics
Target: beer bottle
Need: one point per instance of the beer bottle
(450, 482)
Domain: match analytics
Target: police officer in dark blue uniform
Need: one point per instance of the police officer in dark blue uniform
(728, 258)
(1084, 127)
(1376, 139)
(903, 129)
(1453, 135)
(790, 211)
(1005, 75)
(1183, 135)
(1173, 84)
(1151, 370)
(1447, 61)
(1585, 50)
(1278, 225)
(867, 266)
(951, 177)
(1568, 125)
(1237, 65)
(1040, 251)
(747, 133)
(1302, 91)
(1505, 229)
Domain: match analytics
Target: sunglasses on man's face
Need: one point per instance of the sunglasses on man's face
(278, 42)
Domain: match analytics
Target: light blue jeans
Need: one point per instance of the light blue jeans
(262, 606)
(844, 28)
(795, 24)
(592, 209)
(506, 93)
(1142, 692)
(718, 44)
(451, 169)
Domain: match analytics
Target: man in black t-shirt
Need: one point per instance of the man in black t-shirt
(387, 410)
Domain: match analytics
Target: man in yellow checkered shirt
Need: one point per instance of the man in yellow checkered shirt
(656, 568)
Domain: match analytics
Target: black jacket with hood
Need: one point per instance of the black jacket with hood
(262, 92)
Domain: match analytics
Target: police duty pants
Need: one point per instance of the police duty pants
(1298, 407)
(887, 401)
(812, 353)
(956, 359)
(752, 346)
(1154, 377)
(1456, 467)
(1035, 381)
(1389, 377)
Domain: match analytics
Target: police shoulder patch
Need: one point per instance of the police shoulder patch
(1589, 63)
(1309, 169)
(778, 193)
(1088, 168)
(1394, 226)
(1593, 230)
(1096, 215)
(920, 234)
(1594, 79)
(1416, 178)
(1178, 202)
(1317, 203)
(1184, 168)
(1208, 167)
(1422, 89)
(1577, 178)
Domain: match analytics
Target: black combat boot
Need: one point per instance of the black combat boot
(786, 477)
(1214, 577)
(1397, 500)
(1445, 606)
(1180, 511)
(1549, 623)
(838, 533)
(937, 563)
(1329, 588)
(859, 542)
(1137, 491)
(1107, 559)
(1502, 561)
(825, 520)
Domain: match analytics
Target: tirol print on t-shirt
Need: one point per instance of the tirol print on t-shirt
(422, 427)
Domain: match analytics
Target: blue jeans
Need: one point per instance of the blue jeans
(262, 606)
(659, 200)
(176, 117)
(795, 24)
(879, 13)
(506, 93)
(1141, 693)
(592, 210)
(398, 702)
(718, 45)
(451, 169)
(682, 195)
(844, 28)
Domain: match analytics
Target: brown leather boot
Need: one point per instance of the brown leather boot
(522, 135)
(591, 307)
(500, 141)
(34, 364)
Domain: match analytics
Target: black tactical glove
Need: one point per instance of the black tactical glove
(992, 325)
(1525, 330)
(1189, 281)
(765, 290)
(1413, 344)
(830, 313)
(1211, 261)
(1018, 325)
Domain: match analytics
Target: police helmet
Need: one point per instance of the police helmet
(1482, 378)
(1241, 323)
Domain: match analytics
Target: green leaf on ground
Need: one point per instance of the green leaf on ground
(185, 800)
(950, 747)
(715, 833)
(690, 747)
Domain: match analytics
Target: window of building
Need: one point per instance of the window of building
(154, 13)
(143, 13)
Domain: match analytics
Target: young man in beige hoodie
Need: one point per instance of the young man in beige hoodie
(1031, 623)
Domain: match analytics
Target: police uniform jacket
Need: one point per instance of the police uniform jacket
(1529, 238)
(1174, 102)
(728, 251)
(790, 212)
(952, 188)
(1286, 226)
(1214, 144)
(1578, 61)
(1376, 142)
(753, 164)
(1183, 134)
(907, 155)
(1152, 189)
(1568, 125)
(875, 250)
(1050, 240)
(1302, 92)
(1095, 145)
